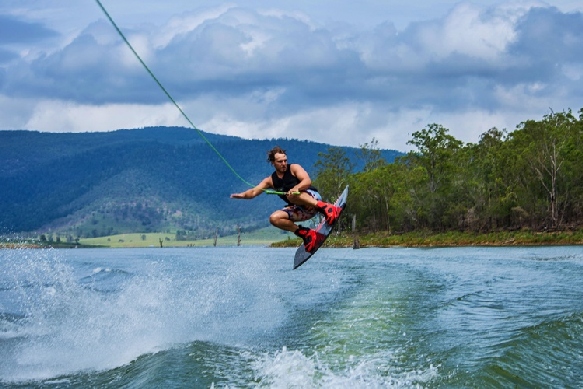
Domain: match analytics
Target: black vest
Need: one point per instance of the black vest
(287, 182)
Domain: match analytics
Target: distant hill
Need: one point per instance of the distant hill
(155, 179)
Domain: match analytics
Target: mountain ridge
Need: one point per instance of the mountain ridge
(139, 180)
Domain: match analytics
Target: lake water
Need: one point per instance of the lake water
(241, 317)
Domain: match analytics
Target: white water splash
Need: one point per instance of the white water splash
(292, 369)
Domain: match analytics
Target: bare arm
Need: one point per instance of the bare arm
(256, 191)
(303, 176)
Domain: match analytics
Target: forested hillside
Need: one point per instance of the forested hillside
(170, 180)
(531, 178)
(143, 180)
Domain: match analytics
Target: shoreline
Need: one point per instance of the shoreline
(378, 240)
(448, 239)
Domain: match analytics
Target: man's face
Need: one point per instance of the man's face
(280, 162)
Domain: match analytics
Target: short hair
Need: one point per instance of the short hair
(271, 153)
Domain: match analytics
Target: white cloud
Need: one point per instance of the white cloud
(182, 24)
(15, 112)
(573, 71)
(59, 116)
(262, 72)
(466, 30)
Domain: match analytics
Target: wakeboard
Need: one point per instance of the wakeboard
(323, 228)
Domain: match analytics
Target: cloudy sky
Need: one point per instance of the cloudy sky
(334, 71)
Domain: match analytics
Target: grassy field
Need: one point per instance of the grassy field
(273, 237)
(262, 237)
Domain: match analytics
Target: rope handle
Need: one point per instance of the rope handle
(275, 192)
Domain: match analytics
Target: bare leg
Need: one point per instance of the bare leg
(304, 198)
(330, 211)
(280, 219)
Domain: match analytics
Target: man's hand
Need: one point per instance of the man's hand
(293, 192)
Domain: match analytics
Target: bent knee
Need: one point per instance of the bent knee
(276, 217)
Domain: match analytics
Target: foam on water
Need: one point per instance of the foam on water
(358, 343)
(389, 318)
(62, 323)
(291, 368)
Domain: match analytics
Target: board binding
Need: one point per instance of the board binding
(323, 228)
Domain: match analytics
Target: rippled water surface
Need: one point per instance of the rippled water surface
(241, 317)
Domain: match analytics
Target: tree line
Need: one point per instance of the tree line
(531, 178)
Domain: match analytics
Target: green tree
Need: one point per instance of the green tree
(333, 169)
(371, 154)
(436, 152)
(374, 191)
(545, 147)
(485, 181)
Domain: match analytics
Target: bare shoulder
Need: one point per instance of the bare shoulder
(295, 167)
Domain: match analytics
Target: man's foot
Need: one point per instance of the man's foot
(331, 212)
(311, 238)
